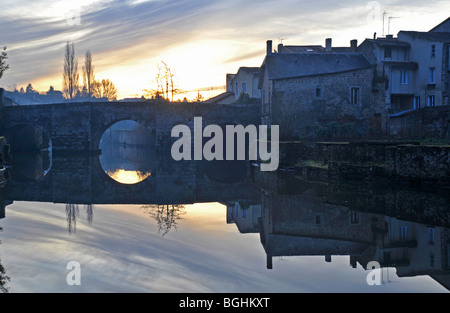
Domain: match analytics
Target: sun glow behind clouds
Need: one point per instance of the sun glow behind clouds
(201, 41)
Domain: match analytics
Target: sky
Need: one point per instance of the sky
(200, 40)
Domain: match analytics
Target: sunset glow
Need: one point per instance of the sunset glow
(201, 41)
(129, 177)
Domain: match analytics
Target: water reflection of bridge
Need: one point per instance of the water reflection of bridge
(82, 180)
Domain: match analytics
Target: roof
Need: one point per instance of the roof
(440, 25)
(256, 71)
(434, 36)
(219, 98)
(300, 49)
(311, 49)
(282, 66)
(383, 42)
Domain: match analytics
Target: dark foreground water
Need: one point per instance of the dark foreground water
(210, 227)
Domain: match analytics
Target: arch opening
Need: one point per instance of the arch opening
(127, 155)
(30, 153)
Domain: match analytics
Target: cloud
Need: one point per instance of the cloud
(122, 33)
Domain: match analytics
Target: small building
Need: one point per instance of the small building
(245, 81)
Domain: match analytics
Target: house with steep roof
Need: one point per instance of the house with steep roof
(302, 92)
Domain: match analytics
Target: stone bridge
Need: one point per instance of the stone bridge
(78, 177)
(74, 127)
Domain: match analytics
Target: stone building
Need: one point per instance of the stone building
(304, 92)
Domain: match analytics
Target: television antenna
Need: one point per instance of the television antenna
(389, 23)
(385, 13)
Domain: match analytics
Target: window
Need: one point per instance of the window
(433, 51)
(388, 52)
(237, 211)
(431, 235)
(403, 233)
(404, 77)
(318, 93)
(431, 260)
(432, 78)
(244, 214)
(354, 95)
(354, 217)
(416, 102)
(318, 221)
(236, 90)
(431, 101)
(244, 87)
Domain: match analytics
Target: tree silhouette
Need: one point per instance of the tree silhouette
(3, 65)
(165, 85)
(166, 216)
(72, 213)
(30, 88)
(105, 89)
(70, 75)
(4, 279)
(88, 74)
(89, 213)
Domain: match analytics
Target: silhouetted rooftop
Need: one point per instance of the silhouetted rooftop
(433, 36)
(280, 65)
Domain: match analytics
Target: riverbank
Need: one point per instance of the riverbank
(397, 161)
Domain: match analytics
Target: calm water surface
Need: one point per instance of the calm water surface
(209, 227)
(123, 250)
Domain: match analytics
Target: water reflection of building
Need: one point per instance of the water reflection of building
(244, 215)
(306, 225)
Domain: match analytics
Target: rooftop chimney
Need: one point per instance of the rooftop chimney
(353, 45)
(269, 47)
(328, 46)
(280, 48)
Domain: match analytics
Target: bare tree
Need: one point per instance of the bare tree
(89, 212)
(3, 65)
(165, 86)
(166, 216)
(72, 212)
(105, 89)
(88, 74)
(4, 279)
(70, 75)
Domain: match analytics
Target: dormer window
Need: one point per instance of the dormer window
(433, 51)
